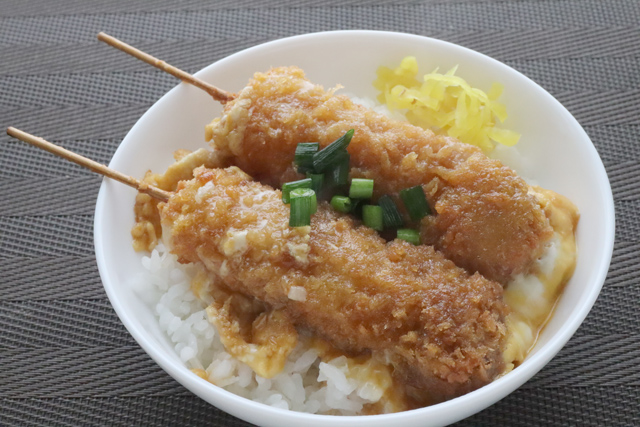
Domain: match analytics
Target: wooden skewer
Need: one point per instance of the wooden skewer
(217, 94)
(142, 187)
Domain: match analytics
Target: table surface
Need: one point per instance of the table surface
(65, 358)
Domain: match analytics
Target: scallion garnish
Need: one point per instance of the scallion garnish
(416, 202)
(339, 174)
(329, 168)
(317, 179)
(289, 186)
(409, 235)
(372, 217)
(304, 154)
(303, 205)
(356, 207)
(390, 214)
(326, 158)
(361, 188)
(341, 203)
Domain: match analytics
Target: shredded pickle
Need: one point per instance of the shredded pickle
(446, 104)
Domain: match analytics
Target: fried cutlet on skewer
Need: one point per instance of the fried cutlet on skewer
(485, 220)
(439, 326)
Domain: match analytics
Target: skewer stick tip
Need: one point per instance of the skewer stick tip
(104, 37)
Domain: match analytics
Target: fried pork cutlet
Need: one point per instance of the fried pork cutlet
(441, 328)
(486, 219)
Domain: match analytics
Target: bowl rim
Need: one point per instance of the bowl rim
(465, 405)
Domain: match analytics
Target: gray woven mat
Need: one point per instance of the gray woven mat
(65, 358)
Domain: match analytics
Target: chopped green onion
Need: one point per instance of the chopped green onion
(390, 214)
(317, 179)
(339, 174)
(356, 207)
(409, 235)
(416, 202)
(372, 217)
(304, 154)
(289, 186)
(341, 203)
(303, 205)
(361, 188)
(326, 158)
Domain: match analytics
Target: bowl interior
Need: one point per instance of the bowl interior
(558, 153)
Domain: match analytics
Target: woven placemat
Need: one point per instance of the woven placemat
(65, 358)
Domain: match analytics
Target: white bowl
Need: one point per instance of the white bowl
(561, 158)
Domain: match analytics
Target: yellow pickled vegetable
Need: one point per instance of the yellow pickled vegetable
(446, 104)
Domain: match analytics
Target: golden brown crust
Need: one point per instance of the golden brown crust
(147, 230)
(486, 219)
(442, 328)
